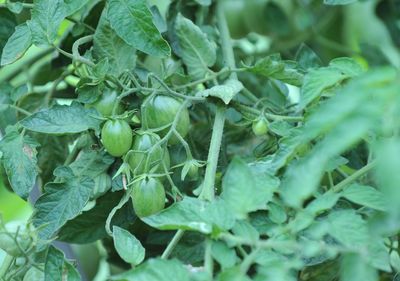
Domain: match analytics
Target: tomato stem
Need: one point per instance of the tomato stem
(338, 187)
(8, 260)
(172, 244)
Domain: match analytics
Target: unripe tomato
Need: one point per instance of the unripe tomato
(102, 183)
(193, 171)
(260, 127)
(254, 16)
(116, 136)
(160, 111)
(137, 157)
(148, 197)
(106, 102)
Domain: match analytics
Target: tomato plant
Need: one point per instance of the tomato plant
(200, 140)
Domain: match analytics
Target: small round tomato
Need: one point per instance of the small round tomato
(260, 127)
(160, 111)
(105, 103)
(102, 183)
(139, 155)
(117, 136)
(148, 197)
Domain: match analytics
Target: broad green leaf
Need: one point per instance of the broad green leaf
(62, 119)
(128, 247)
(224, 255)
(307, 58)
(47, 16)
(156, 270)
(232, 274)
(366, 196)
(91, 163)
(8, 22)
(73, 6)
(241, 191)
(378, 254)
(197, 52)
(316, 81)
(387, 174)
(245, 230)
(107, 44)
(19, 92)
(19, 161)
(339, 2)
(17, 44)
(53, 268)
(204, 2)
(90, 225)
(133, 22)
(61, 201)
(343, 120)
(274, 67)
(355, 268)
(225, 92)
(193, 214)
(71, 273)
(323, 202)
(348, 228)
(276, 213)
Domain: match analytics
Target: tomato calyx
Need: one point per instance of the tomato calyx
(191, 168)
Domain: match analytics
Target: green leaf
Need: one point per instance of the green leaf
(224, 255)
(197, 52)
(15, 7)
(193, 214)
(225, 92)
(204, 2)
(340, 122)
(274, 67)
(8, 22)
(133, 22)
(17, 44)
(61, 201)
(73, 6)
(107, 44)
(241, 191)
(276, 213)
(307, 58)
(323, 203)
(53, 268)
(91, 163)
(19, 161)
(71, 272)
(348, 228)
(156, 270)
(318, 80)
(89, 226)
(354, 268)
(128, 247)
(62, 119)
(245, 230)
(339, 2)
(366, 196)
(47, 16)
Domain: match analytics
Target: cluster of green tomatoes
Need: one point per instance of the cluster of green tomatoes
(145, 149)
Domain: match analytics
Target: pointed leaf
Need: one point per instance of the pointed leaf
(17, 44)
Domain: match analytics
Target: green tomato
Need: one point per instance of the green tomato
(160, 111)
(193, 171)
(253, 14)
(260, 127)
(117, 136)
(137, 157)
(106, 102)
(102, 184)
(148, 197)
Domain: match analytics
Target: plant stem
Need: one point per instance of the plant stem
(207, 192)
(354, 177)
(19, 109)
(208, 259)
(8, 260)
(172, 244)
